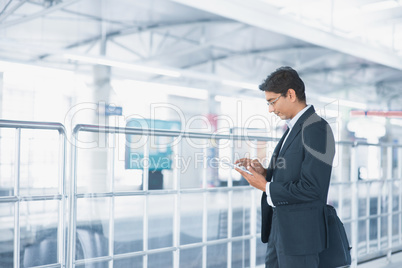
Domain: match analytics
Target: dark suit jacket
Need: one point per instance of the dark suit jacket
(301, 172)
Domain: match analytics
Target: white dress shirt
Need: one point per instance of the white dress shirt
(290, 123)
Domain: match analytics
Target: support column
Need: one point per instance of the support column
(99, 158)
(100, 163)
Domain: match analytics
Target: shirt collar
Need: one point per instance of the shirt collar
(292, 122)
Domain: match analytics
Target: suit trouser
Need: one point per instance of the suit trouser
(275, 257)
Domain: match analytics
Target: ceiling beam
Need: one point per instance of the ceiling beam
(5, 15)
(262, 15)
(259, 52)
(39, 14)
(140, 30)
(173, 53)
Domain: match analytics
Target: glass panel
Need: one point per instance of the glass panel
(217, 215)
(160, 150)
(192, 163)
(384, 229)
(241, 254)
(7, 158)
(225, 171)
(395, 226)
(191, 258)
(337, 193)
(341, 164)
(38, 229)
(93, 167)
(128, 224)
(191, 218)
(217, 256)
(241, 202)
(129, 162)
(92, 227)
(362, 231)
(160, 260)
(364, 191)
(257, 201)
(39, 167)
(368, 162)
(6, 234)
(133, 262)
(162, 161)
(213, 164)
(160, 221)
(373, 229)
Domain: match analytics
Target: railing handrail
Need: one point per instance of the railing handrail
(159, 132)
(33, 125)
(163, 132)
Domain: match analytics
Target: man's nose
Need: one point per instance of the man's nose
(271, 108)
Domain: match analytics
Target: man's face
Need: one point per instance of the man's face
(280, 105)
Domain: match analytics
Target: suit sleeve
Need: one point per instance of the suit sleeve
(312, 183)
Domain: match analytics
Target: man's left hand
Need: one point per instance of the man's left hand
(256, 179)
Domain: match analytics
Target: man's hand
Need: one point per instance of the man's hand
(254, 163)
(256, 179)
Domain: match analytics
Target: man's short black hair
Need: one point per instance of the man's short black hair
(281, 80)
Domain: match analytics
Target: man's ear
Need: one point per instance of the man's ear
(292, 95)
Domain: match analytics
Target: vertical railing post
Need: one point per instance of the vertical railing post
(253, 229)
(368, 197)
(111, 138)
(342, 179)
(253, 219)
(145, 188)
(204, 209)
(400, 193)
(17, 165)
(72, 201)
(379, 205)
(230, 215)
(61, 234)
(354, 197)
(390, 200)
(177, 206)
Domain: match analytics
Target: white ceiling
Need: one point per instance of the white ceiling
(343, 49)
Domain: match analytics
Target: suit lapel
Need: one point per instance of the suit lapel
(271, 166)
(279, 145)
(296, 129)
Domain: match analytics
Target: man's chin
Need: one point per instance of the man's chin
(282, 116)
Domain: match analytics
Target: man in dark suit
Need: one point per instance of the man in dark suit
(295, 184)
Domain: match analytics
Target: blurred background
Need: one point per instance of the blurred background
(116, 118)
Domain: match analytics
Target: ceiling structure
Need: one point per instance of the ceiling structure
(350, 50)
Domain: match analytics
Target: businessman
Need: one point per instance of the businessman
(295, 184)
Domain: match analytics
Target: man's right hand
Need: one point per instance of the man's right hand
(254, 163)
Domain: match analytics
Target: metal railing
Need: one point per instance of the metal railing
(17, 197)
(176, 192)
(371, 202)
(370, 209)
